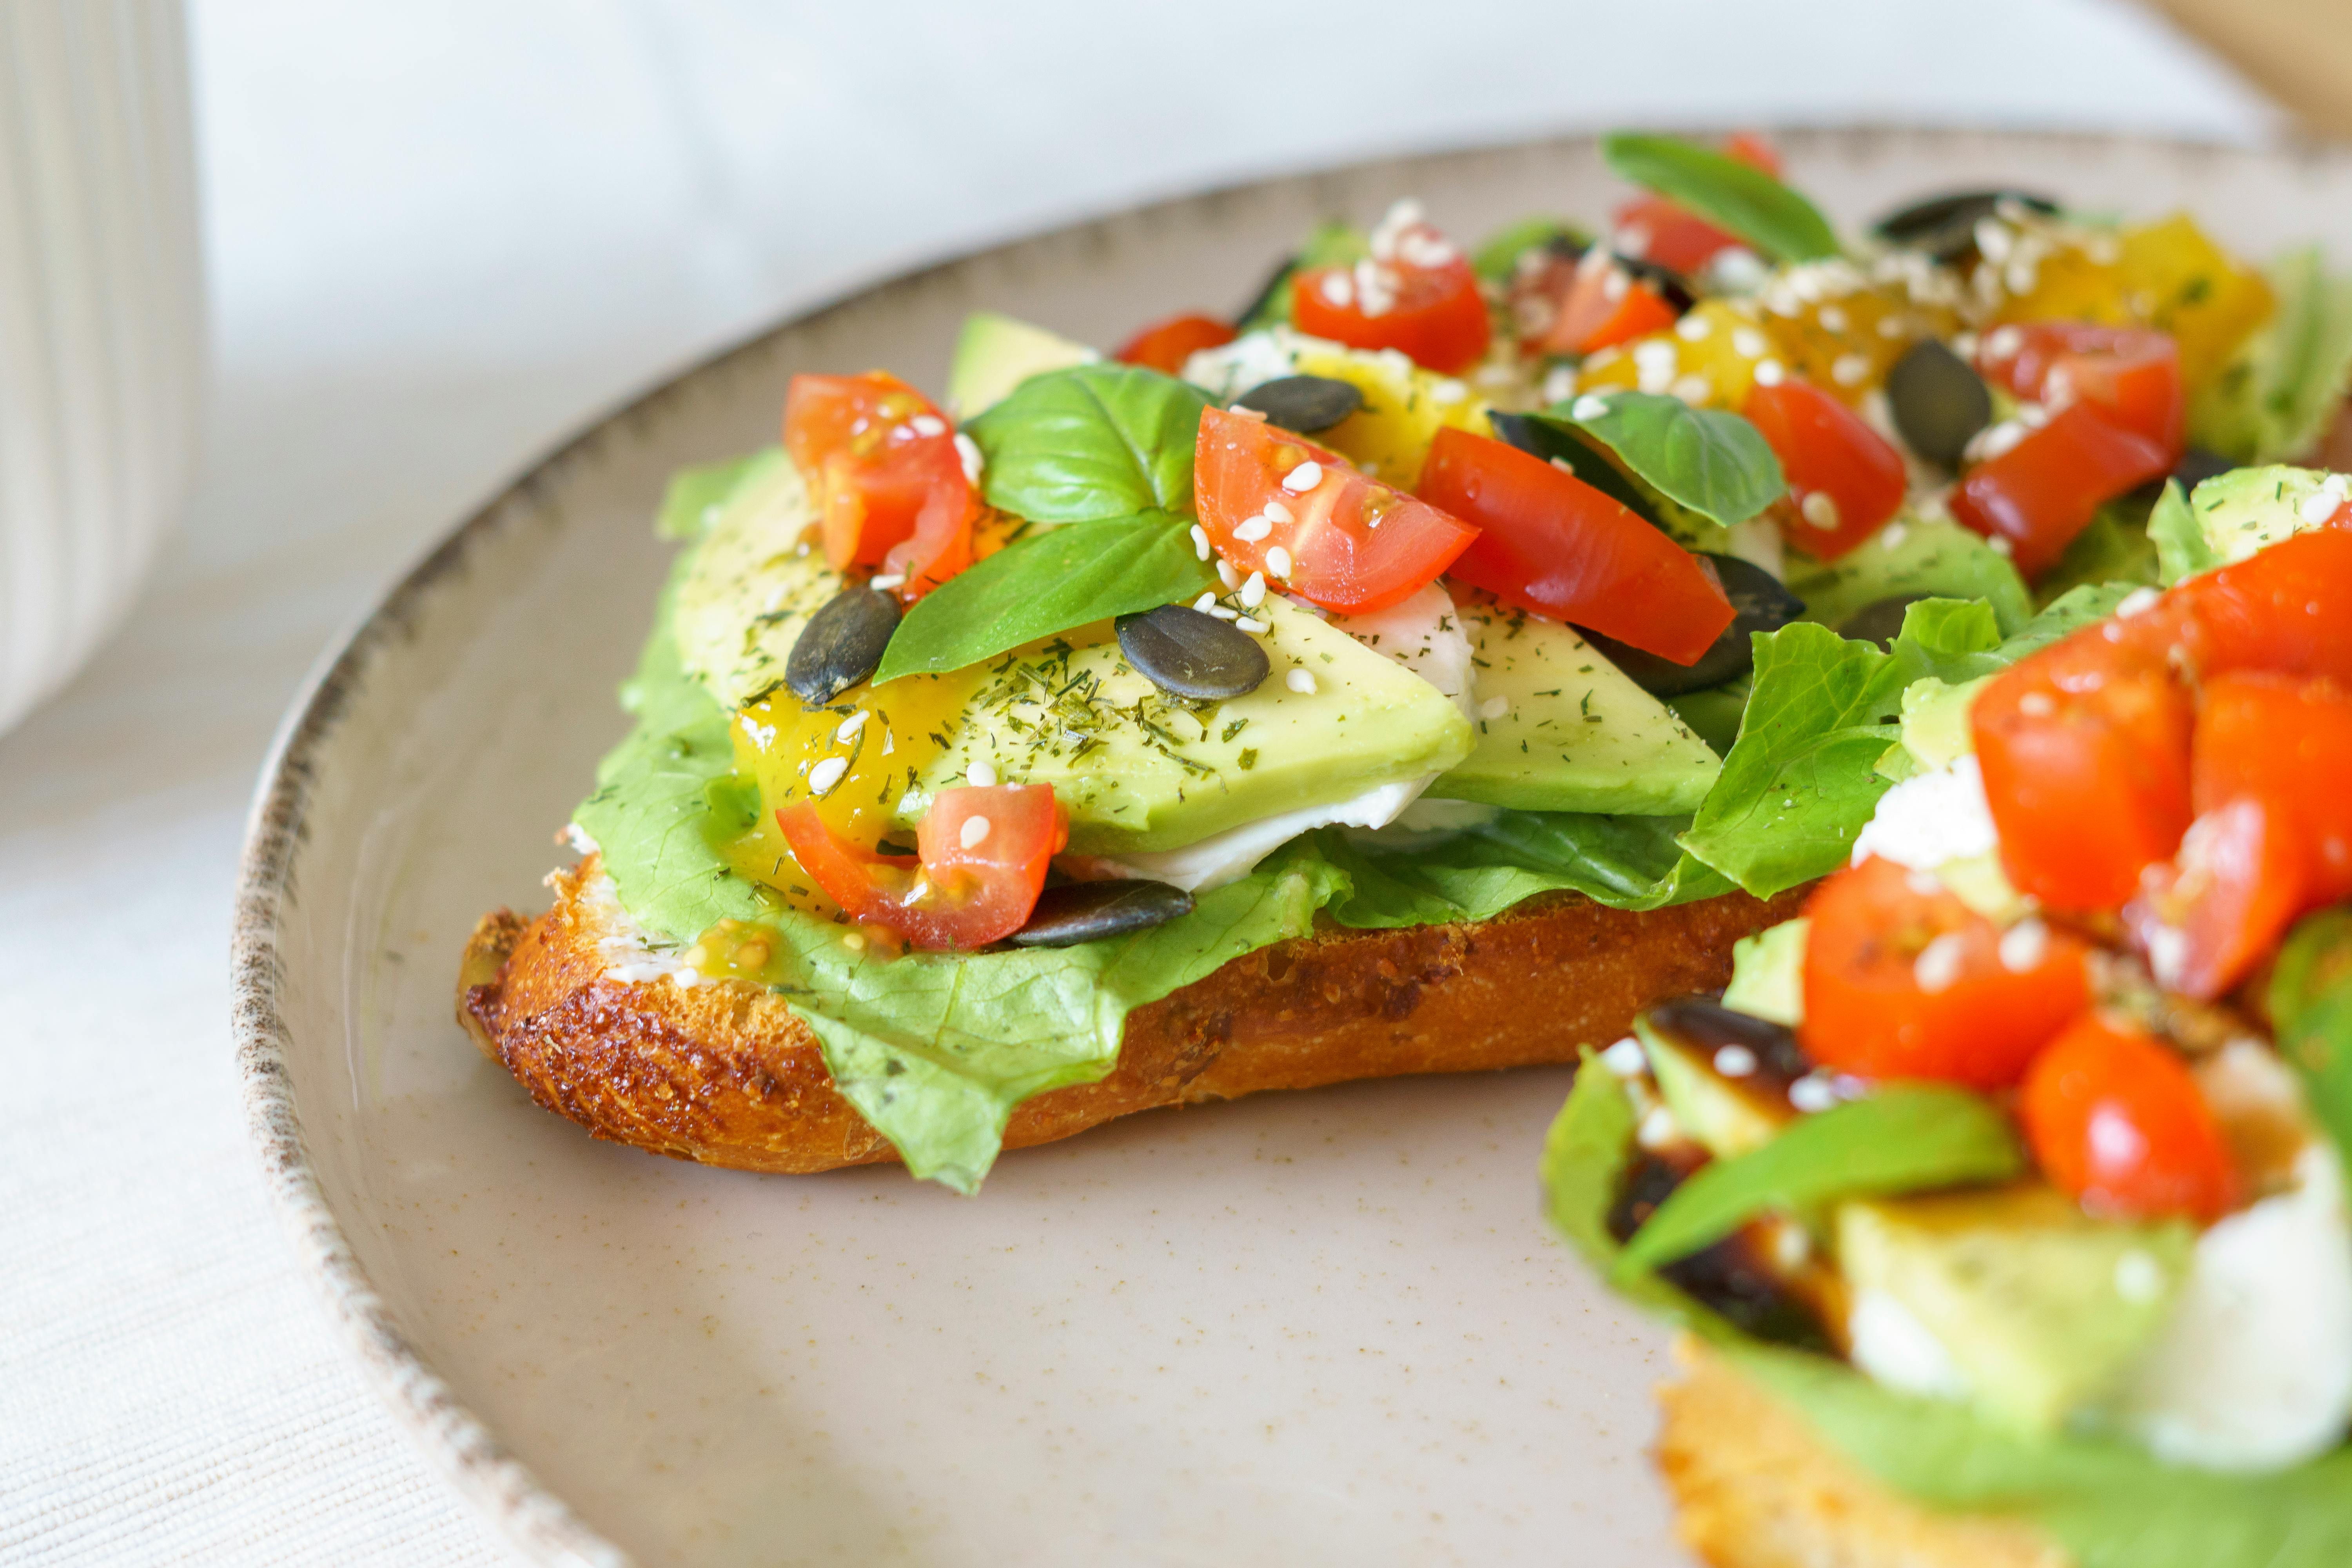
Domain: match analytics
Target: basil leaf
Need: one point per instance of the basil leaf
(1742, 200)
(1899, 1140)
(1585, 1154)
(1091, 442)
(1045, 583)
(1715, 463)
(2310, 1003)
(1330, 244)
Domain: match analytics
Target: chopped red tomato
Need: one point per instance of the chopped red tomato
(2287, 610)
(2288, 741)
(1275, 502)
(2115, 1119)
(1844, 478)
(980, 861)
(2206, 917)
(2131, 374)
(1658, 230)
(1549, 543)
(2041, 492)
(1592, 305)
(1415, 293)
(1904, 980)
(1166, 345)
(2085, 753)
(889, 484)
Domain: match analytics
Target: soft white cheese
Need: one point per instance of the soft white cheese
(1251, 360)
(2254, 1369)
(1229, 856)
(1422, 632)
(629, 952)
(1931, 818)
(1897, 1350)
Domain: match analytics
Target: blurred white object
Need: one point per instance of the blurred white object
(101, 322)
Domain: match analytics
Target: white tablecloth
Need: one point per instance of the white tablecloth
(442, 233)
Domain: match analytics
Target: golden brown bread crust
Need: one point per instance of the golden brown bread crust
(1755, 1489)
(726, 1074)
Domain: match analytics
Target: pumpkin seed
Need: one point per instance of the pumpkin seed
(841, 644)
(1090, 911)
(1938, 400)
(1946, 226)
(1305, 404)
(1759, 603)
(1186, 653)
(1880, 620)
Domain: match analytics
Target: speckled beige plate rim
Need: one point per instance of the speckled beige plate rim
(536, 1520)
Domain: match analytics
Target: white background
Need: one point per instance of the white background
(442, 233)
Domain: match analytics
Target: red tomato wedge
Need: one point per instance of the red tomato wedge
(2130, 374)
(1415, 293)
(1274, 502)
(2044, 490)
(883, 468)
(2084, 751)
(2288, 741)
(1598, 304)
(981, 862)
(2287, 610)
(1904, 980)
(2115, 1119)
(1549, 543)
(1844, 478)
(1658, 230)
(1166, 345)
(2207, 917)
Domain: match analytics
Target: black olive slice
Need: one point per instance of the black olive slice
(1305, 404)
(1188, 653)
(1759, 602)
(841, 644)
(1090, 911)
(1938, 400)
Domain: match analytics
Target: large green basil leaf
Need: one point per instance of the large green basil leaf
(1045, 583)
(1091, 442)
(1715, 463)
(1900, 1140)
(1736, 198)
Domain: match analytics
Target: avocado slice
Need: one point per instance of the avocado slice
(1768, 972)
(1936, 720)
(2038, 1306)
(2247, 509)
(1723, 1117)
(995, 353)
(1571, 732)
(1911, 556)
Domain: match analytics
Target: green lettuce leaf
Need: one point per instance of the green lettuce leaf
(1045, 583)
(2181, 547)
(1089, 443)
(1715, 463)
(1327, 245)
(1624, 862)
(1736, 198)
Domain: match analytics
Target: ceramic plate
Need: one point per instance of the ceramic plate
(1321, 1327)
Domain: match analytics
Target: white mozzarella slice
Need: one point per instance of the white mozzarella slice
(1422, 633)
(1931, 818)
(1229, 856)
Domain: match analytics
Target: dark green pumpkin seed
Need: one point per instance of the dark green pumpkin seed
(1671, 285)
(1305, 404)
(1187, 653)
(1880, 620)
(1556, 441)
(1090, 911)
(1759, 603)
(1944, 226)
(841, 644)
(1939, 401)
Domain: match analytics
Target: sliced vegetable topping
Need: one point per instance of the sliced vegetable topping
(2039, 493)
(2116, 1120)
(1166, 345)
(1904, 980)
(2131, 374)
(1844, 479)
(980, 859)
(1415, 292)
(1275, 503)
(890, 483)
(1548, 542)
(1598, 301)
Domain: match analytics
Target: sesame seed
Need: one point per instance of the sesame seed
(1302, 478)
(1254, 529)
(2316, 507)
(980, 773)
(1494, 707)
(1588, 407)
(1735, 1061)
(1448, 391)
(1819, 509)
(1227, 575)
(1993, 241)
(827, 773)
(1279, 512)
(969, 450)
(1300, 681)
(1626, 1058)
(1693, 389)
(1337, 291)
(1658, 1129)
(1749, 343)
(1253, 591)
(1770, 374)
(1938, 963)
(850, 726)
(2139, 601)
(1559, 384)
(853, 941)
(1278, 560)
(1250, 623)
(2036, 705)
(1613, 287)
(1199, 541)
(1892, 536)
(1832, 318)
(1890, 326)
(1632, 241)
(888, 581)
(1693, 328)
(1563, 465)
(975, 832)
(2001, 546)
(1850, 368)
(2004, 342)
(1222, 614)
(2023, 944)
(928, 424)
(1812, 1093)
(2034, 416)
(1204, 602)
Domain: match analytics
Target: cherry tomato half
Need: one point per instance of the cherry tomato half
(2044, 490)
(1419, 296)
(1165, 345)
(2131, 374)
(1276, 502)
(2206, 917)
(1549, 543)
(888, 482)
(2288, 740)
(981, 853)
(1594, 304)
(1904, 980)
(1844, 478)
(2084, 751)
(2115, 1119)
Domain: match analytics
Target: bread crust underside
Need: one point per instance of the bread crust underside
(726, 1074)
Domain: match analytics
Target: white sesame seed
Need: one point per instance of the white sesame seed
(1588, 407)
(1818, 508)
(1337, 291)
(1832, 318)
(1563, 465)
(2316, 507)
(1204, 603)
(1849, 369)
(1995, 440)
(1448, 391)
(1693, 328)
(2036, 705)
(2023, 944)
(1658, 1129)
(2139, 601)
(1199, 541)
(1993, 241)
(975, 832)
(1302, 478)
(1278, 560)
(850, 726)
(888, 581)
(980, 773)
(827, 773)
(1770, 374)
(1494, 707)
(1893, 535)
(1890, 327)
(1223, 614)
(1227, 575)
(1253, 530)
(967, 449)
(1613, 287)
(1250, 623)
(2337, 485)
(1300, 681)
(1938, 963)
(2003, 343)
(1749, 343)
(1626, 1058)
(1735, 1061)
(1253, 591)
(1633, 240)
(2001, 546)
(2034, 416)
(928, 424)
(1692, 389)
(853, 941)
(1279, 512)
(1812, 1093)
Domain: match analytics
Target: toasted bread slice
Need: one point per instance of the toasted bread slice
(726, 1074)
(1755, 1488)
